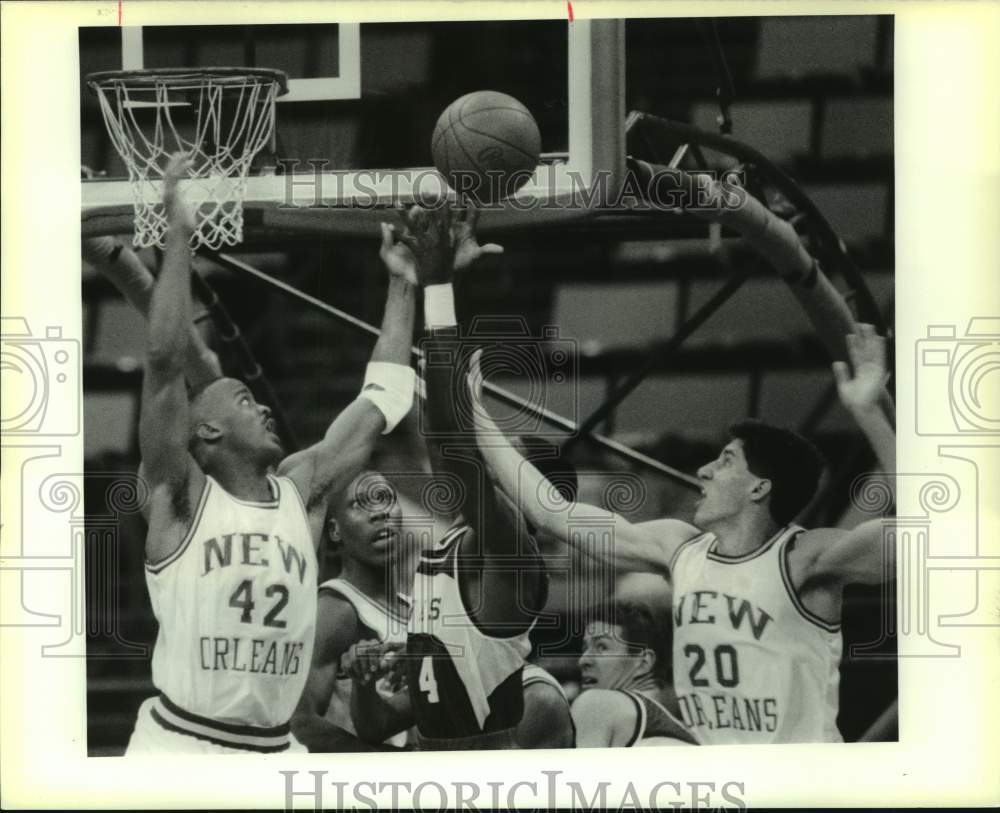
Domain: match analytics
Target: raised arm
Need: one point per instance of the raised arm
(130, 276)
(503, 572)
(600, 534)
(175, 480)
(863, 555)
(434, 237)
(860, 392)
(386, 396)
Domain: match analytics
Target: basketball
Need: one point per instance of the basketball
(486, 145)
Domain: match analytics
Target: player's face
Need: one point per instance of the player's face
(607, 661)
(726, 486)
(245, 424)
(368, 519)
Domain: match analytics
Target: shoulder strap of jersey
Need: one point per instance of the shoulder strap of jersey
(446, 543)
(533, 673)
(284, 485)
(640, 717)
(783, 551)
(155, 568)
(667, 724)
(371, 613)
(686, 545)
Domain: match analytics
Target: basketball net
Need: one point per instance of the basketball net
(222, 119)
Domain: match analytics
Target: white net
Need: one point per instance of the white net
(222, 119)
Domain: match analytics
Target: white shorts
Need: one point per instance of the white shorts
(150, 737)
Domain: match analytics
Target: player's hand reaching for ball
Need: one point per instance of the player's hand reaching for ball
(178, 211)
(463, 231)
(861, 392)
(397, 256)
(428, 235)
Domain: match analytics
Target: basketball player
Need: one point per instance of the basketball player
(369, 601)
(477, 594)
(230, 550)
(324, 719)
(628, 697)
(756, 598)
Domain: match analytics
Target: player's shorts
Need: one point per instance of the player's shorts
(494, 741)
(159, 729)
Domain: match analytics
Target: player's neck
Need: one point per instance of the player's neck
(743, 533)
(369, 580)
(646, 684)
(403, 576)
(244, 481)
(667, 697)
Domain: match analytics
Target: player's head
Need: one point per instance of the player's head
(626, 642)
(363, 520)
(226, 418)
(762, 468)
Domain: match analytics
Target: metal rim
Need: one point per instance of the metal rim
(181, 77)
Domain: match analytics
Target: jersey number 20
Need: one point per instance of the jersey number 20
(242, 599)
(727, 670)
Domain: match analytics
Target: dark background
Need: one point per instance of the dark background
(813, 94)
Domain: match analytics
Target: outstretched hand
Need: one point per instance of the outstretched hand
(178, 211)
(867, 353)
(397, 256)
(427, 233)
(463, 231)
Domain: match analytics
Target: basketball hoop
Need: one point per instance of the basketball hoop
(222, 117)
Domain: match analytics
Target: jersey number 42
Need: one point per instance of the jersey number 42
(242, 599)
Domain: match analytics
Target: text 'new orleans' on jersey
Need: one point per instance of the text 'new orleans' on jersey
(236, 605)
(751, 664)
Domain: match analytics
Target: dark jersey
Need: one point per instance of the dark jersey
(655, 722)
(464, 684)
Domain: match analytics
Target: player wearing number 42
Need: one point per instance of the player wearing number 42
(231, 547)
(756, 598)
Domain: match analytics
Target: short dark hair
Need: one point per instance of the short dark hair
(552, 463)
(643, 628)
(789, 461)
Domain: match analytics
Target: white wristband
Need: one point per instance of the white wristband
(390, 388)
(439, 306)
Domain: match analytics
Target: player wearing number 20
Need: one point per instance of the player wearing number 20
(230, 552)
(756, 598)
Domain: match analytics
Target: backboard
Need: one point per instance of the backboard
(353, 132)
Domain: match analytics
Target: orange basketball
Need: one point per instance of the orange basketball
(486, 145)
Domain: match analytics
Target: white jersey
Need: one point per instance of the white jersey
(751, 664)
(236, 605)
(388, 625)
